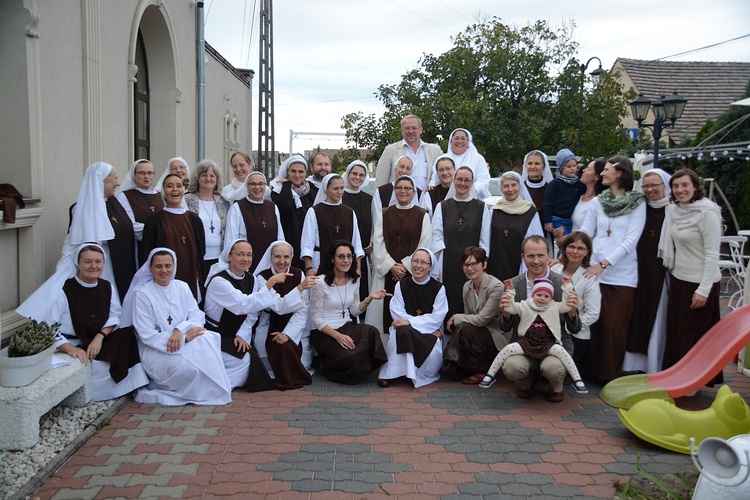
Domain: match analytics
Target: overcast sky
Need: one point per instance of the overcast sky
(331, 55)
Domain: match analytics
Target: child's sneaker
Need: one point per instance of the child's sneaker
(580, 387)
(487, 381)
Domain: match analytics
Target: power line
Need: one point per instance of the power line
(454, 10)
(703, 48)
(422, 18)
(324, 102)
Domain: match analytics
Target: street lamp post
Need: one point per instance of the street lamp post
(595, 74)
(666, 108)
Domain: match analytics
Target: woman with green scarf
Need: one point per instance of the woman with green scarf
(615, 224)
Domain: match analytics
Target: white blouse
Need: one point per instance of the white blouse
(615, 240)
(331, 305)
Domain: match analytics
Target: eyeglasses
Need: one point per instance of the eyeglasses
(345, 256)
(144, 173)
(651, 186)
(422, 263)
(471, 265)
(256, 184)
(242, 255)
(463, 181)
(404, 188)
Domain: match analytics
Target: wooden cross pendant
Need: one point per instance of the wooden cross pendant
(609, 232)
(184, 240)
(460, 221)
(263, 223)
(212, 227)
(169, 319)
(114, 219)
(152, 208)
(93, 317)
(398, 239)
(337, 228)
(506, 232)
(419, 312)
(653, 233)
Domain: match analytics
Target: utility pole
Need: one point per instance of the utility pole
(266, 134)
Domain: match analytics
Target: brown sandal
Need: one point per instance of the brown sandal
(474, 379)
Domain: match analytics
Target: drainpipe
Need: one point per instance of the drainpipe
(201, 77)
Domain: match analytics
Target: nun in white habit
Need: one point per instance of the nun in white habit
(49, 303)
(227, 302)
(383, 260)
(418, 307)
(182, 359)
(467, 155)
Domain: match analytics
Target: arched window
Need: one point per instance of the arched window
(142, 131)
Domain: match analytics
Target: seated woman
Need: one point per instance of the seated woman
(182, 359)
(282, 337)
(348, 352)
(234, 298)
(418, 307)
(477, 337)
(88, 311)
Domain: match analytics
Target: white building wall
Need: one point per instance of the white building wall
(76, 107)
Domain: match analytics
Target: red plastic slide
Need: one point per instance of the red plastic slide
(706, 359)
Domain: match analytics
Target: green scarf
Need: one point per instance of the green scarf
(620, 205)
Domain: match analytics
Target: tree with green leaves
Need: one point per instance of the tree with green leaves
(503, 83)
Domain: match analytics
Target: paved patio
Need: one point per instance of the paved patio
(329, 441)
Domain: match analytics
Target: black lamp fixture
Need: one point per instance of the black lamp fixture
(665, 109)
(595, 74)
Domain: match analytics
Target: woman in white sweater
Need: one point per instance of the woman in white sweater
(615, 222)
(689, 247)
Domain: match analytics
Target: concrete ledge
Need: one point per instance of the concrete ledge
(22, 407)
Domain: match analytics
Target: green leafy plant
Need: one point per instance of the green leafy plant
(36, 337)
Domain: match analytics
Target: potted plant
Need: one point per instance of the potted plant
(29, 354)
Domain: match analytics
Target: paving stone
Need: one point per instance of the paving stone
(520, 490)
(493, 478)
(84, 494)
(354, 487)
(373, 477)
(294, 475)
(560, 491)
(151, 491)
(533, 479)
(312, 485)
(475, 489)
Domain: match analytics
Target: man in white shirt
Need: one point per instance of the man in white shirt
(320, 166)
(421, 153)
